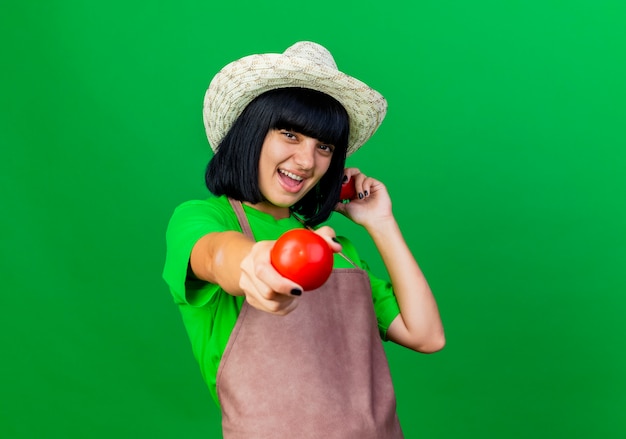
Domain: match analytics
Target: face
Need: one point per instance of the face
(290, 165)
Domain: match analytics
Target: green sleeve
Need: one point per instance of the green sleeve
(190, 222)
(385, 302)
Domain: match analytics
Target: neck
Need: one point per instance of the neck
(277, 212)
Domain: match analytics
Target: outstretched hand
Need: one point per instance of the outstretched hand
(264, 288)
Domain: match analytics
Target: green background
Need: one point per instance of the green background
(503, 150)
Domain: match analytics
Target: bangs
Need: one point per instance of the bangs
(311, 113)
(234, 169)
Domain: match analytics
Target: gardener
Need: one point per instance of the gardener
(280, 362)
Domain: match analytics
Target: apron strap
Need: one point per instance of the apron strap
(241, 217)
(247, 231)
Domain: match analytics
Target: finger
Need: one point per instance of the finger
(330, 237)
(367, 186)
(263, 286)
(350, 173)
(276, 284)
(260, 296)
(267, 279)
(280, 305)
(359, 180)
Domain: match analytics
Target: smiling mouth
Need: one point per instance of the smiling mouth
(290, 180)
(291, 175)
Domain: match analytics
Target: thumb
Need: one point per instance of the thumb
(330, 237)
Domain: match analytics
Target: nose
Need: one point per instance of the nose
(304, 157)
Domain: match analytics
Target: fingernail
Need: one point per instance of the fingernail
(360, 195)
(296, 292)
(335, 240)
(366, 193)
(345, 178)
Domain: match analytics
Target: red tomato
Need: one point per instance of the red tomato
(303, 257)
(348, 190)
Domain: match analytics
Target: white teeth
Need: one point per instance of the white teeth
(290, 175)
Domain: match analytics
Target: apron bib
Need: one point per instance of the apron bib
(318, 372)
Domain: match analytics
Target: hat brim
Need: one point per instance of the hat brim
(237, 84)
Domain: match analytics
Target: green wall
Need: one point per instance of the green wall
(503, 150)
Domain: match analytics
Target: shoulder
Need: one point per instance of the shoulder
(213, 213)
(211, 204)
(215, 207)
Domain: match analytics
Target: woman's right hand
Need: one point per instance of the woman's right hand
(264, 288)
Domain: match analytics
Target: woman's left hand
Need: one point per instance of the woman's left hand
(373, 203)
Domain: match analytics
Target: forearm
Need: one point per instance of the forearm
(419, 325)
(217, 257)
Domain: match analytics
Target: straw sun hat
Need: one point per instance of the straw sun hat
(305, 64)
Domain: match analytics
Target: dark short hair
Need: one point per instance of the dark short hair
(234, 169)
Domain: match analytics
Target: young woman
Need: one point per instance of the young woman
(280, 362)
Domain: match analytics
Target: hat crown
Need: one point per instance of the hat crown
(312, 52)
(305, 64)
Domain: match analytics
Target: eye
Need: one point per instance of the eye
(326, 148)
(288, 134)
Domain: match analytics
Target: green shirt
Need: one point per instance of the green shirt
(209, 313)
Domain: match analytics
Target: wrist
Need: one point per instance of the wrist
(381, 226)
